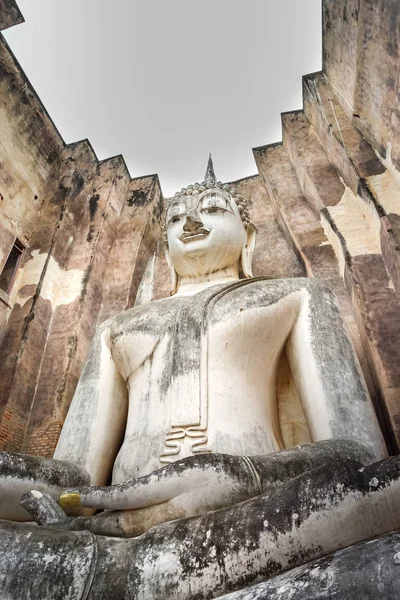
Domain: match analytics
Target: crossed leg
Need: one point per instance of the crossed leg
(191, 487)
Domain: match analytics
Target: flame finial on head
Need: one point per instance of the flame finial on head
(209, 177)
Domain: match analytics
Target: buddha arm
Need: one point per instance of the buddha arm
(328, 376)
(96, 420)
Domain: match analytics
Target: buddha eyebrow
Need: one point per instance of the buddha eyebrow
(216, 200)
(176, 209)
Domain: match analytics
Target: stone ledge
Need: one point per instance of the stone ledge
(5, 298)
(9, 14)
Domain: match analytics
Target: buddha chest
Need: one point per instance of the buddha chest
(201, 373)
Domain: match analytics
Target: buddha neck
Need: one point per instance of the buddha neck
(192, 285)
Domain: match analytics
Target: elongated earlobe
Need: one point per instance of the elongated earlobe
(173, 274)
(248, 250)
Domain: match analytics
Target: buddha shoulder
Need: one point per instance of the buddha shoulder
(147, 318)
(261, 293)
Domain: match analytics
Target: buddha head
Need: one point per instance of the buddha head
(208, 231)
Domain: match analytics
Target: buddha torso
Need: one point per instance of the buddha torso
(201, 373)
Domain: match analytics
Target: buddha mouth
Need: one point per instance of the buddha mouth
(192, 236)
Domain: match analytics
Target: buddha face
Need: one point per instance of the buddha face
(205, 233)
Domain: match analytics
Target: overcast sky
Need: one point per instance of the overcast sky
(165, 82)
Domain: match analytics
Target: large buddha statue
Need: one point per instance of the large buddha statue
(238, 395)
(197, 372)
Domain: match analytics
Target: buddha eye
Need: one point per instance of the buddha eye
(211, 209)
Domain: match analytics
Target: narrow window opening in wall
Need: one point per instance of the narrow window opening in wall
(7, 276)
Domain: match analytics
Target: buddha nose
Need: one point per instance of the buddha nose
(191, 224)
